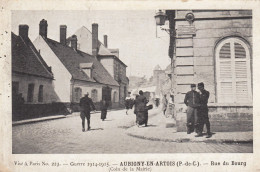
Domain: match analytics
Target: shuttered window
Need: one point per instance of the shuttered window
(233, 72)
(94, 95)
(77, 94)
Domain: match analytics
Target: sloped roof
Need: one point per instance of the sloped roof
(86, 34)
(72, 59)
(168, 69)
(157, 67)
(26, 59)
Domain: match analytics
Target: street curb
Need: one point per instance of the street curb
(185, 140)
(47, 118)
(29, 121)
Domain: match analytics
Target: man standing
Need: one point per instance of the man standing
(203, 110)
(164, 104)
(192, 99)
(86, 104)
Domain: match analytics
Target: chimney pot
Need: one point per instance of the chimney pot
(105, 40)
(95, 39)
(74, 42)
(43, 28)
(63, 34)
(23, 31)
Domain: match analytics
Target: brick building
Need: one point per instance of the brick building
(88, 42)
(215, 47)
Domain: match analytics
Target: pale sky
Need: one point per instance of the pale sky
(133, 32)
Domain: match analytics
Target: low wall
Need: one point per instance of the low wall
(223, 118)
(75, 106)
(29, 111)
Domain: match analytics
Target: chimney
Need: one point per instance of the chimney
(74, 42)
(94, 39)
(23, 31)
(105, 40)
(63, 34)
(43, 28)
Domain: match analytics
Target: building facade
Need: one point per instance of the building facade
(32, 80)
(215, 47)
(75, 72)
(88, 42)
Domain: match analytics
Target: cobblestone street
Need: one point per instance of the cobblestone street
(64, 136)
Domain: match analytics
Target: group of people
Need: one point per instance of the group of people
(140, 103)
(196, 102)
(197, 110)
(140, 108)
(86, 104)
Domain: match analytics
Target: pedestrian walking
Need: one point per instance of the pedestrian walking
(171, 106)
(103, 108)
(157, 102)
(164, 104)
(192, 100)
(86, 104)
(141, 109)
(203, 111)
(127, 104)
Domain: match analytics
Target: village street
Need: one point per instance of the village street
(64, 136)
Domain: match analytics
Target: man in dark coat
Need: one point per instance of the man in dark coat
(103, 107)
(141, 110)
(86, 104)
(192, 100)
(203, 110)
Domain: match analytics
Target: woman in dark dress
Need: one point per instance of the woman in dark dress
(103, 108)
(140, 109)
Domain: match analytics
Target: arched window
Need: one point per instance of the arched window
(94, 95)
(78, 94)
(115, 97)
(233, 71)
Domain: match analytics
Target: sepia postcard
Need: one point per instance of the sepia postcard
(138, 86)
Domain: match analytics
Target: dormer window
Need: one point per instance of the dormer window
(87, 68)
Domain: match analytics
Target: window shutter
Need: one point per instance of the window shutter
(241, 70)
(239, 51)
(225, 51)
(233, 72)
(226, 94)
(225, 70)
(242, 91)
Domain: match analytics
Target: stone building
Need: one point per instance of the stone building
(88, 42)
(215, 47)
(32, 79)
(75, 72)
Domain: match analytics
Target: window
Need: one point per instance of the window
(78, 94)
(115, 97)
(15, 88)
(233, 71)
(94, 95)
(40, 94)
(30, 93)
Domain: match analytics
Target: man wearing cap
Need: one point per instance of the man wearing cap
(192, 100)
(86, 104)
(203, 110)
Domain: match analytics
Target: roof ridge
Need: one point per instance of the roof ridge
(35, 53)
(68, 46)
(55, 46)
